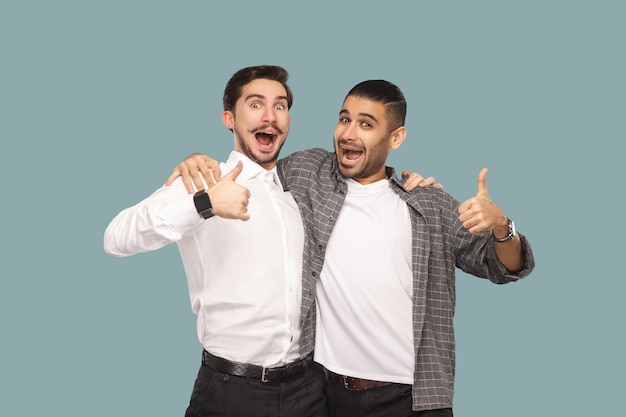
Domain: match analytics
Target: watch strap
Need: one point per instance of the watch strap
(508, 237)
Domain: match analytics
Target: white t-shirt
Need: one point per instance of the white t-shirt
(364, 295)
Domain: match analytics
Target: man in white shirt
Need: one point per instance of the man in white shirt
(243, 261)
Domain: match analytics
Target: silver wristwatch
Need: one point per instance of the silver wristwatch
(511, 234)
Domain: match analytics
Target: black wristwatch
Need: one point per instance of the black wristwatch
(203, 204)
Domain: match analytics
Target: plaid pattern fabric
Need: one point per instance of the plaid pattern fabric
(440, 244)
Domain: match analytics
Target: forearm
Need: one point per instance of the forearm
(500, 262)
(508, 245)
(137, 230)
(510, 254)
(161, 219)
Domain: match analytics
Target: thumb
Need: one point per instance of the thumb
(482, 182)
(232, 175)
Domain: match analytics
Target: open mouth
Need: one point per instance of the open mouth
(350, 154)
(265, 138)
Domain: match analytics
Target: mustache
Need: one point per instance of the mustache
(265, 126)
(350, 144)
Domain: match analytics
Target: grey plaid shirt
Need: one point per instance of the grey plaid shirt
(440, 244)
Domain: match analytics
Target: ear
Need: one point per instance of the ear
(228, 119)
(397, 137)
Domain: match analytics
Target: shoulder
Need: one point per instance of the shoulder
(314, 154)
(307, 160)
(431, 201)
(309, 168)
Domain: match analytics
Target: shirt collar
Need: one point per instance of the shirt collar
(250, 168)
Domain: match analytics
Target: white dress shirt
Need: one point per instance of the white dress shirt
(244, 277)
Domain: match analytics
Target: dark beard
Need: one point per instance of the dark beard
(258, 157)
(374, 160)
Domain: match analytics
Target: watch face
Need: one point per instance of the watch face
(203, 204)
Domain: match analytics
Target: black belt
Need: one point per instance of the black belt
(354, 384)
(264, 373)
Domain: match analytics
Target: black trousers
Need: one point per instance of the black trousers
(392, 400)
(222, 395)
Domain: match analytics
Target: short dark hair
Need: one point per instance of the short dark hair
(234, 86)
(386, 93)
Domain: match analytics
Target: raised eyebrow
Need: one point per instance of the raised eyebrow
(283, 98)
(368, 116)
(345, 112)
(262, 97)
(259, 96)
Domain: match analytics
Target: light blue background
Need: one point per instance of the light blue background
(100, 100)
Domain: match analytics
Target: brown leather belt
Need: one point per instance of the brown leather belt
(352, 383)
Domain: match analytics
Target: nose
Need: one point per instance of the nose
(347, 131)
(269, 114)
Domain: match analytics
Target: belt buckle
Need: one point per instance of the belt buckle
(345, 382)
(265, 368)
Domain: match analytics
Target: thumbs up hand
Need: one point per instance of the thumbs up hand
(229, 199)
(480, 214)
